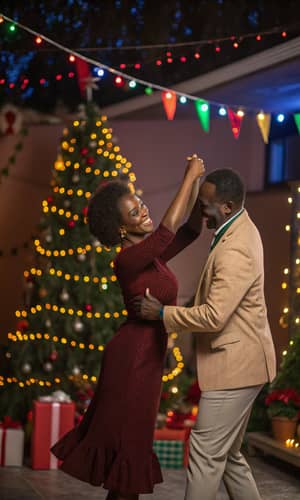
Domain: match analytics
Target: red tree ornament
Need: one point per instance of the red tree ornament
(71, 224)
(53, 356)
(84, 151)
(22, 325)
(85, 211)
(90, 160)
(88, 307)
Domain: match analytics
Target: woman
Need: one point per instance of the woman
(113, 443)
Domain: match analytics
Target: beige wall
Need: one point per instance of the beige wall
(158, 150)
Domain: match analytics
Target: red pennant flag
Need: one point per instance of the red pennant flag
(236, 122)
(83, 74)
(169, 100)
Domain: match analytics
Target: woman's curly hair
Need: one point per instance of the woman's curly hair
(104, 217)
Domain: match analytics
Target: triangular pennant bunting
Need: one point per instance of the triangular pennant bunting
(203, 112)
(236, 122)
(297, 121)
(83, 72)
(264, 122)
(169, 100)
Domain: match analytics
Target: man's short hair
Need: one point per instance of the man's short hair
(229, 185)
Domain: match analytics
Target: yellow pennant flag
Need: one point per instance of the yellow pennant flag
(264, 122)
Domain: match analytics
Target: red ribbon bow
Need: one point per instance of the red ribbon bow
(9, 423)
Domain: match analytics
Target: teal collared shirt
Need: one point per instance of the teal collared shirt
(222, 229)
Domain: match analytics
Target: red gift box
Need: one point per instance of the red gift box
(165, 434)
(50, 422)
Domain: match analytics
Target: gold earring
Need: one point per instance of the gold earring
(123, 233)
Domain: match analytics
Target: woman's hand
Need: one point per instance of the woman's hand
(177, 210)
(195, 166)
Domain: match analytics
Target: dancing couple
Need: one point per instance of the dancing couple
(112, 446)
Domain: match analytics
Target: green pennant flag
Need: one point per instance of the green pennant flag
(203, 112)
(297, 121)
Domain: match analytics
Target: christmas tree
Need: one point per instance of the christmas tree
(73, 303)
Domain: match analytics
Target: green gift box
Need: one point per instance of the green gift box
(170, 453)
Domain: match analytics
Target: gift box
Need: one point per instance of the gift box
(172, 447)
(51, 420)
(11, 443)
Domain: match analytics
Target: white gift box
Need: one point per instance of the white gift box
(11, 447)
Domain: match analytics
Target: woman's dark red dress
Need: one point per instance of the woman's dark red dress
(112, 446)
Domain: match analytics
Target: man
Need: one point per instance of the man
(235, 352)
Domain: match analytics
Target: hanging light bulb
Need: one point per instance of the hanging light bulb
(132, 84)
(119, 81)
(222, 111)
(182, 99)
(280, 117)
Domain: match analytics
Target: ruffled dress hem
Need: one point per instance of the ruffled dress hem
(103, 467)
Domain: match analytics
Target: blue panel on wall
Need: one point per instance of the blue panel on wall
(276, 161)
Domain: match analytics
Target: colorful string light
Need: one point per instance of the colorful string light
(70, 311)
(48, 383)
(67, 277)
(120, 75)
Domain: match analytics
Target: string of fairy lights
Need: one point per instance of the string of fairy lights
(283, 321)
(121, 77)
(70, 311)
(57, 380)
(18, 336)
(169, 51)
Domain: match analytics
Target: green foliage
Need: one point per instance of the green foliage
(289, 373)
(178, 394)
(279, 409)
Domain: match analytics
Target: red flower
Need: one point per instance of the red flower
(286, 396)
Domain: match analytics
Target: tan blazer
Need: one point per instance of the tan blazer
(234, 343)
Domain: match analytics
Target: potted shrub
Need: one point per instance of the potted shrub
(283, 406)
